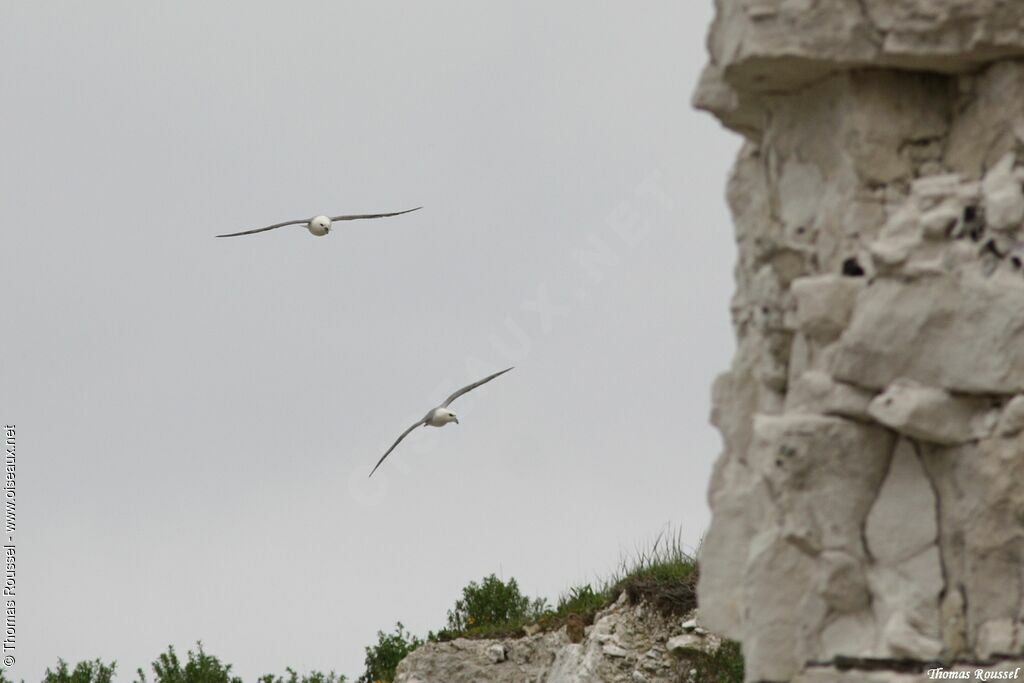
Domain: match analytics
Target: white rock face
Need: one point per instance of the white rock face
(496, 653)
(767, 45)
(902, 522)
(824, 304)
(927, 330)
(1011, 422)
(935, 415)
(687, 644)
(817, 392)
(869, 503)
(1004, 203)
(625, 644)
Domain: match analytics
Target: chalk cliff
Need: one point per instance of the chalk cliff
(868, 508)
(625, 644)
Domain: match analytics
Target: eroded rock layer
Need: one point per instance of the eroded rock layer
(625, 644)
(869, 503)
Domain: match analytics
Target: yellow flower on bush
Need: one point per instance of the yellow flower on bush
(471, 620)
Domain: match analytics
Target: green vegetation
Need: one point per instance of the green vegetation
(724, 665)
(581, 600)
(491, 609)
(663, 575)
(382, 658)
(200, 668)
(294, 677)
(84, 672)
(204, 668)
(491, 603)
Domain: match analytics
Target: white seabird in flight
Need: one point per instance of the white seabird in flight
(320, 225)
(439, 416)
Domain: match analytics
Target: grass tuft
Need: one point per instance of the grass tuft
(724, 665)
(663, 574)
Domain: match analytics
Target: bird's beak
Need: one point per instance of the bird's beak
(456, 419)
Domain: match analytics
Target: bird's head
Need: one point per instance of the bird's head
(320, 225)
(448, 416)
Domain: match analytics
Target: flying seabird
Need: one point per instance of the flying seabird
(439, 416)
(320, 225)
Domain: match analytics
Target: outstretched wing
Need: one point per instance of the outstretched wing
(269, 227)
(357, 216)
(397, 441)
(471, 387)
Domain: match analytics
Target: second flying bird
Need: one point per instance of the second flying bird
(439, 416)
(320, 225)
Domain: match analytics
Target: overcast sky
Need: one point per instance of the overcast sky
(196, 417)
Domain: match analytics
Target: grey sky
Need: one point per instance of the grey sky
(197, 417)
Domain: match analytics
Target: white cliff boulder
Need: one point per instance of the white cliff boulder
(773, 45)
(816, 392)
(824, 304)
(929, 331)
(902, 521)
(1004, 197)
(1011, 421)
(931, 414)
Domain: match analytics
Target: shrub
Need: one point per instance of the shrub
(200, 668)
(311, 677)
(84, 672)
(382, 658)
(492, 602)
